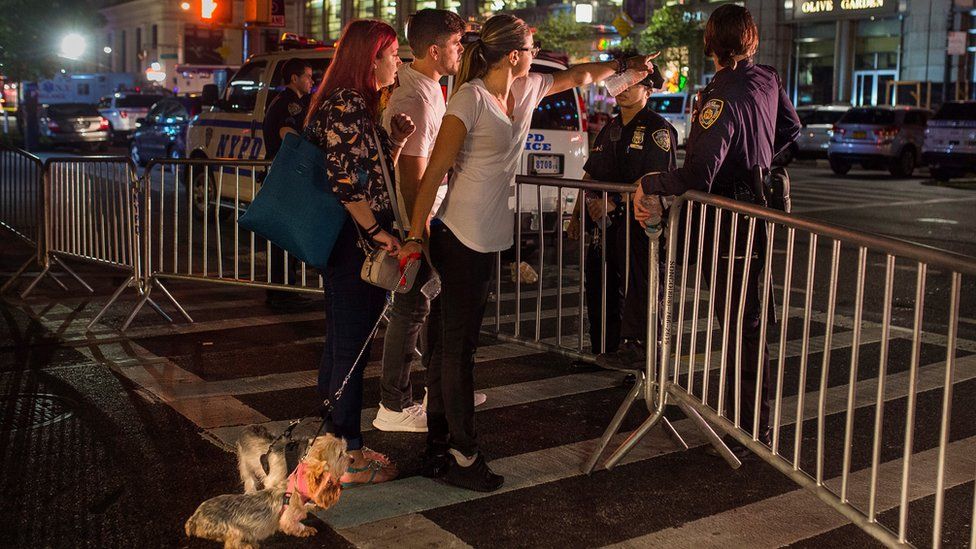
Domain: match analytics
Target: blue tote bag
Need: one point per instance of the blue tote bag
(295, 208)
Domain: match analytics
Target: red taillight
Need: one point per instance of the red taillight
(123, 114)
(103, 124)
(886, 134)
(53, 127)
(838, 130)
(582, 111)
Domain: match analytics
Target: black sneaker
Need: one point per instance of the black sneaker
(478, 476)
(630, 356)
(434, 462)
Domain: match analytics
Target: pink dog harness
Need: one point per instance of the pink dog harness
(298, 484)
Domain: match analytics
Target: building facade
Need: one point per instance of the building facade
(153, 36)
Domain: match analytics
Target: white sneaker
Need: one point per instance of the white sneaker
(410, 420)
(479, 399)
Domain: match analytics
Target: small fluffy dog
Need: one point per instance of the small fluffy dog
(244, 520)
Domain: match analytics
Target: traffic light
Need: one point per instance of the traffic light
(214, 11)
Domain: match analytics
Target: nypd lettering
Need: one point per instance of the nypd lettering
(536, 142)
(237, 146)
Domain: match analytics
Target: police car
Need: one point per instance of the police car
(950, 140)
(232, 127)
(675, 108)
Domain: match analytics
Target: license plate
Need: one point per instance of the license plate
(860, 135)
(546, 164)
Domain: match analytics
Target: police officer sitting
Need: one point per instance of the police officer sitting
(286, 114)
(634, 142)
(741, 120)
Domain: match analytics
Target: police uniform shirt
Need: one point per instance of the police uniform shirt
(741, 120)
(622, 152)
(286, 111)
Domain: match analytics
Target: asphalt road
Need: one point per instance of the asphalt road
(112, 440)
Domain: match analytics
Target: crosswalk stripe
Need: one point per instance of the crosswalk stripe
(412, 530)
(913, 203)
(798, 515)
(419, 494)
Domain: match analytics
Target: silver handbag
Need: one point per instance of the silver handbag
(379, 268)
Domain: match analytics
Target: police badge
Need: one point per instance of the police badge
(710, 112)
(637, 142)
(662, 138)
(294, 108)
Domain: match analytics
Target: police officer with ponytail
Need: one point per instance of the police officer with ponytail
(741, 120)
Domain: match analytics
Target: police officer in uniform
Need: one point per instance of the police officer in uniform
(742, 119)
(286, 114)
(634, 142)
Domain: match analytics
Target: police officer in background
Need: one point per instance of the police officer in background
(286, 114)
(741, 120)
(634, 142)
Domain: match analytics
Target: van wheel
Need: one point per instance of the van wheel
(904, 165)
(839, 167)
(204, 192)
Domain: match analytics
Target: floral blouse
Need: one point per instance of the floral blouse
(343, 129)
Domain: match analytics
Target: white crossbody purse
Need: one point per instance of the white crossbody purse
(379, 268)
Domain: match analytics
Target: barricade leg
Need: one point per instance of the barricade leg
(30, 287)
(73, 275)
(172, 299)
(17, 274)
(111, 300)
(618, 418)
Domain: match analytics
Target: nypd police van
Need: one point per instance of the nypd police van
(232, 129)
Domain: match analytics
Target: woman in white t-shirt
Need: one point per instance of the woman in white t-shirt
(481, 137)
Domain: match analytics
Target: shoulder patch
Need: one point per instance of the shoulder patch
(294, 108)
(662, 138)
(710, 112)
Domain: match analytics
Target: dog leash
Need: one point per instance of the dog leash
(325, 407)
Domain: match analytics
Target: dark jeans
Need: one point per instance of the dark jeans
(279, 275)
(407, 317)
(352, 309)
(452, 339)
(751, 344)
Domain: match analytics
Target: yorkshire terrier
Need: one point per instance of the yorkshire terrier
(282, 502)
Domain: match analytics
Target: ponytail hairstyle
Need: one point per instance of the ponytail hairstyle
(729, 33)
(352, 65)
(499, 36)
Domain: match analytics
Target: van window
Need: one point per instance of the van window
(559, 111)
(956, 111)
(666, 105)
(242, 91)
(278, 82)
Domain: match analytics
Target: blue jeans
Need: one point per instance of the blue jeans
(352, 308)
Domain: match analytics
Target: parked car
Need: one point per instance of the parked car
(162, 132)
(878, 138)
(122, 109)
(950, 140)
(817, 121)
(73, 124)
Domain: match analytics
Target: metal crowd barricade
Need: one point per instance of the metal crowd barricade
(22, 202)
(861, 426)
(542, 207)
(190, 211)
(91, 215)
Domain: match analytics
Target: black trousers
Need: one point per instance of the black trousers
(754, 352)
(452, 339)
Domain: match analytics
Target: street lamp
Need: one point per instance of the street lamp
(107, 49)
(73, 46)
(185, 6)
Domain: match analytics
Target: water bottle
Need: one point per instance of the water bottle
(617, 83)
(652, 227)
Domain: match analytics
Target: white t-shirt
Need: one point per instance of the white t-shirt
(419, 97)
(480, 204)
